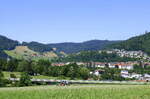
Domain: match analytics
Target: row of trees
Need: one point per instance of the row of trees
(31, 67)
(44, 67)
(72, 70)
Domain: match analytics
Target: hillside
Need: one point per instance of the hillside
(23, 52)
(92, 45)
(94, 56)
(6, 44)
(39, 47)
(141, 42)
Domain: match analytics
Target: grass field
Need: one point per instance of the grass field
(78, 92)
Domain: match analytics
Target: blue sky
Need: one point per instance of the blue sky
(52, 21)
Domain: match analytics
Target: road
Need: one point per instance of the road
(81, 81)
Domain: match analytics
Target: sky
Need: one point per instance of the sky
(54, 21)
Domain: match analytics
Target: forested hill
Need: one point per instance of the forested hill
(141, 42)
(9, 44)
(6, 44)
(68, 48)
(38, 47)
(92, 45)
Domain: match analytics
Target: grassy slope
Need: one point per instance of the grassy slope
(78, 92)
(23, 52)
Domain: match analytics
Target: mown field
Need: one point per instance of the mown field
(78, 92)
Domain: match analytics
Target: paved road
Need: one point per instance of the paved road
(82, 81)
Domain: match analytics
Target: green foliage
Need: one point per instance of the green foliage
(2, 80)
(72, 70)
(25, 80)
(13, 76)
(12, 65)
(43, 66)
(3, 64)
(111, 74)
(55, 71)
(23, 66)
(84, 73)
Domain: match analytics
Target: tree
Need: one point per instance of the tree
(84, 73)
(12, 65)
(25, 66)
(111, 74)
(2, 82)
(22, 66)
(3, 64)
(25, 80)
(43, 66)
(55, 71)
(35, 68)
(72, 70)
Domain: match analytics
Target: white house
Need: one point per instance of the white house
(125, 74)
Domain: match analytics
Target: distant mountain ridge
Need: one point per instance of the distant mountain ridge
(91, 45)
(9, 44)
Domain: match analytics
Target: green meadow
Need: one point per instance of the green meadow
(77, 92)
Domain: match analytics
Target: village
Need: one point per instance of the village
(124, 67)
(125, 53)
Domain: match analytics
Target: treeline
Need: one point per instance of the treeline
(43, 67)
(95, 56)
(30, 68)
